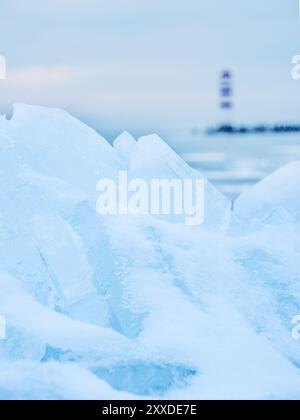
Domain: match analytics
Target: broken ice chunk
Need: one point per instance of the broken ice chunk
(152, 158)
(275, 200)
(124, 146)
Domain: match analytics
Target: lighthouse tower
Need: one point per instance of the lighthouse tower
(226, 103)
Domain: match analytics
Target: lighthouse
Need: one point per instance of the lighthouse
(226, 103)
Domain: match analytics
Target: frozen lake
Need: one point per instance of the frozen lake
(233, 163)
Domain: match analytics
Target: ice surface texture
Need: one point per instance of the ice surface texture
(127, 307)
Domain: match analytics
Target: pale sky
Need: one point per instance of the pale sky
(151, 65)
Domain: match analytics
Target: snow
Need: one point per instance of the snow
(139, 306)
(53, 381)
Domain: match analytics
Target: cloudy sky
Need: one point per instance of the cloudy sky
(151, 65)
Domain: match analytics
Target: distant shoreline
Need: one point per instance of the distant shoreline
(253, 130)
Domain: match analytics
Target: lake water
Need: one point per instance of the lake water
(234, 163)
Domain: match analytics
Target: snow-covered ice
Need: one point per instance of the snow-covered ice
(273, 201)
(139, 306)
